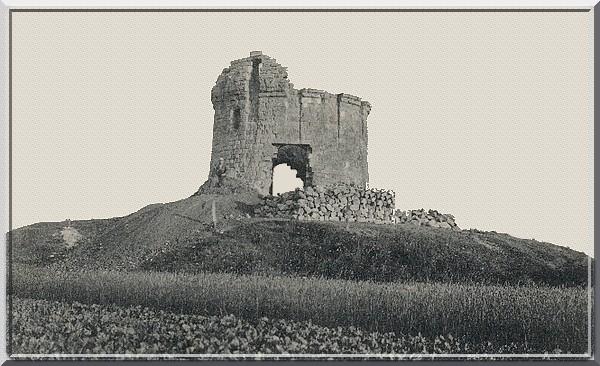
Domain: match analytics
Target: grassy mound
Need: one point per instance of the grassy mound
(121, 243)
(372, 252)
(179, 237)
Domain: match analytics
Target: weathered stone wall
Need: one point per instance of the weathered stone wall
(333, 203)
(256, 107)
(343, 202)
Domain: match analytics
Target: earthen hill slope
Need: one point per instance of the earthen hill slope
(178, 236)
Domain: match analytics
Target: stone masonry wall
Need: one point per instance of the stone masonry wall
(333, 203)
(256, 107)
(349, 203)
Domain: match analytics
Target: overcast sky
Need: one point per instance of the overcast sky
(488, 116)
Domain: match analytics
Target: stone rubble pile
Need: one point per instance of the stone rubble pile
(333, 203)
(348, 203)
(430, 218)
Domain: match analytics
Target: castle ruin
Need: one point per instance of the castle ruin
(261, 121)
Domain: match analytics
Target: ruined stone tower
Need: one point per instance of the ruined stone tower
(262, 121)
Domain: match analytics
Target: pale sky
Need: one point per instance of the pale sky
(488, 116)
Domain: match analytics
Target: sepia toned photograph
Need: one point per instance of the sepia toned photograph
(400, 184)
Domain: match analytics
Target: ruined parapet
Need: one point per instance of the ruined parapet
(261, 120)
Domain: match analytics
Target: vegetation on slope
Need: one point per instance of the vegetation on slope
(372, 252)
(179, 237)
(41, 243)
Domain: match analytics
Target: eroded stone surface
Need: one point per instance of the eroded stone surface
(343, 202)
(258, 112)
(340, 202)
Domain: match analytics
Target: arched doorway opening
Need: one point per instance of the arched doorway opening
(285, 179)
(297, 159)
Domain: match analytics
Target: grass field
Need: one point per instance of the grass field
(540, 318)
(163, 280)
(111, 329)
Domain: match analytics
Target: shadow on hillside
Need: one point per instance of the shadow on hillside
(189, 218)
(246, 208)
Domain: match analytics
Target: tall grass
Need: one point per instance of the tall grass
(543, 317)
